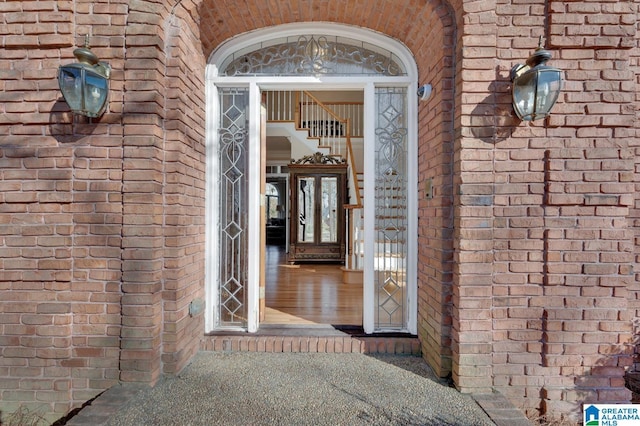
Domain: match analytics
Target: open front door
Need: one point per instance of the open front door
(263, 211)
(235, 198)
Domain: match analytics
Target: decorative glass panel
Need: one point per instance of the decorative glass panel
(306, 206)
(329, 220)
(313, 55)
(390, 251)
(233, 144)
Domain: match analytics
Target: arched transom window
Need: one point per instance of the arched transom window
(313, 55)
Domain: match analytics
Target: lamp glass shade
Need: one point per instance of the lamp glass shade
(96, 89)
(70, 82)
(84, 89)
(535, 92)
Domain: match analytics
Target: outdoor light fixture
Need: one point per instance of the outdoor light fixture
(535, 86)
(424, 92)
(85, 84)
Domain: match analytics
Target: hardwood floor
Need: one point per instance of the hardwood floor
(308, 293)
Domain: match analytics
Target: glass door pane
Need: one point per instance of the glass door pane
(329, 218)
(306, 208)
(233, 207)
(391, 213)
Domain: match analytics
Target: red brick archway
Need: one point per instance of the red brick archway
(162, 103)
(430, 35)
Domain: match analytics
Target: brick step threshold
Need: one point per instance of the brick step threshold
(316, 339)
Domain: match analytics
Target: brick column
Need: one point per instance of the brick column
(472, 337)
(435, 215)
(143, 204)
(184, 191)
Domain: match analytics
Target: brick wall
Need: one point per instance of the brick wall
(563, 240)
(163, 244)
(634, 288)
(479, 113)
(526, 280)
(61, 213)
(99, 260)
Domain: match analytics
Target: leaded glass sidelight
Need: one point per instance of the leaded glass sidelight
(233, 220)
(391, 221)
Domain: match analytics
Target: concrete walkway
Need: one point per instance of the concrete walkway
(244, 388)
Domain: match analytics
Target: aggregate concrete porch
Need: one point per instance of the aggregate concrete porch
(285, 389)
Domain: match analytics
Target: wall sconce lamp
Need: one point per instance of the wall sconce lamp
(536, 86)
(85, 84)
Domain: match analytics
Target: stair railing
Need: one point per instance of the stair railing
(332, 131)
(355, 250)
(322, 124)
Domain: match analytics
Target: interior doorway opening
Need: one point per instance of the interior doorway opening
(311, 291)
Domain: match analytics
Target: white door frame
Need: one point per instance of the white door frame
(257, 84)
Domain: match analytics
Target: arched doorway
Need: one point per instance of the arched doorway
(307, 57)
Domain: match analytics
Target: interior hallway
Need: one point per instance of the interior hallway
(308, 293)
